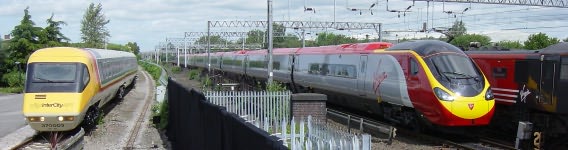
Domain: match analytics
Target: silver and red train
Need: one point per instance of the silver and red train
(418, 82)
(530, 88)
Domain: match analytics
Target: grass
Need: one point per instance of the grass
(100, 120)
(11, 90)
(160, 109)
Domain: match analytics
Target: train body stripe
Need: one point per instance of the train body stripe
(506, 90)
(506, 100)
(95, 66)
(116, 80)
(505, 95)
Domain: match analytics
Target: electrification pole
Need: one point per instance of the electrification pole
(208, 47)
(270, 42)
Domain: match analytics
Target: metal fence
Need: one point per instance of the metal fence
(253, 105)
(270, 111)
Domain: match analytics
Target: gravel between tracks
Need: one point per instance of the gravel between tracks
(120, 121)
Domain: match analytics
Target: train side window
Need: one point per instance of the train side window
(85, 76)
(325, 70)
(314, 69)
(351, 70)
(500, 72)
(564, 71)
(363, 66)
(413, 67)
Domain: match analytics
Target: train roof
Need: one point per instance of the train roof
(345, 48)
(103, 53)
(502, 52)
(560, 48)
(73, 51)
(425, 47)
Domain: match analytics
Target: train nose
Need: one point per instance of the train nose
(471, 109)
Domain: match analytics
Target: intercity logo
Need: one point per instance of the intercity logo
(56, 105)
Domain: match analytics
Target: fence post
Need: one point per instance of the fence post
(366, 141)
(293, 133)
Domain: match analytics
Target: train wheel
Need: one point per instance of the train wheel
(120, 93)
(90, 121)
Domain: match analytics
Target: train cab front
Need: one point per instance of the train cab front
(462, 90)
(53, 97)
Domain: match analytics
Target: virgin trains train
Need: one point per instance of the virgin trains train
(67, 86)
(530, 90)
(410, 83)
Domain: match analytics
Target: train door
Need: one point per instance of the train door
(548, 71)
(361, 79)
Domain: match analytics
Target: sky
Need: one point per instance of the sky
(149, 22)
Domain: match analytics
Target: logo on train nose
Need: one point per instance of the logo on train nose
(470, 106)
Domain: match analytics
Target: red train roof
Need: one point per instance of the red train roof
(346, 48)
(332, 49)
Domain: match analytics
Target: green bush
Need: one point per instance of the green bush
(206, 82)
(163, 114)
(176, 69)
(275, 86)
(194, 74)
(11, 90)
(14, 79)
(154, 70)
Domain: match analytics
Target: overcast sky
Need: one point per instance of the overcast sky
(149, 22)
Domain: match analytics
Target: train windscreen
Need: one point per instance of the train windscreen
(457, 73)
(55, 77)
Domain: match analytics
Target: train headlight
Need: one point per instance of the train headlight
(443, 95)
(489, 94)
(36, 119)
(65, 118)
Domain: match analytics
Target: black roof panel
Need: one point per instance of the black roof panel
(426, 47)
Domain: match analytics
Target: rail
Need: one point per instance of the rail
(389, 130)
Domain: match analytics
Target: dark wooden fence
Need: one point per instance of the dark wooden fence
(194, 123)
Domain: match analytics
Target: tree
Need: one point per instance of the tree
(333, 39)
(279, 35)
(457, 29)
(464, 40)
(565, 40)
(133, 47)
(52, 35)
(539, 41)
(214, 40)
(25, 40)
(117, 47)
(93, 31)
(510, 44)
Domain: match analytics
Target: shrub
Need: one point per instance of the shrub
(194, 74)
(14, 79)
(176, 69)
(163, 114)
(275, 86)
(154, 70)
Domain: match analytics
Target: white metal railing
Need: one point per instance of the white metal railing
(270, 111)
(253, 104)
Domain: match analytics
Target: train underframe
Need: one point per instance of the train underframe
(545, 130)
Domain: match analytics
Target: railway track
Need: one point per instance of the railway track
(368, 125)
(71, 140)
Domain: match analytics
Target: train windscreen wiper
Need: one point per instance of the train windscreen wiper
(43, 79)
(464, 76)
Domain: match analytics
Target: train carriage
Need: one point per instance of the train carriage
(529, 88)
(411, 83)
(67, 86)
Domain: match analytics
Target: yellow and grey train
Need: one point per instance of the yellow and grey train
(66, 87)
